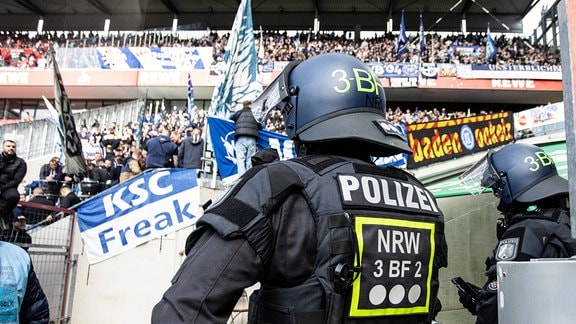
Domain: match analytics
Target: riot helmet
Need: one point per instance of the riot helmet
(519, 172)
(333, 98)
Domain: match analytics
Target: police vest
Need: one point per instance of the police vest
(540, 234)
(380, 234)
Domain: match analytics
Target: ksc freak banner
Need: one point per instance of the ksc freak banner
(138, 210)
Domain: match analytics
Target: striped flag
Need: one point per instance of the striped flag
(190, 100)
(422, 37)
(402, 39)
(491, 49)
(261, 47)
(238, 81)
(72, 146)
(141, 114)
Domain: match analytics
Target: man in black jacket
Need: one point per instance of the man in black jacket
(12, 171)
(36, 214)
(52, 170)
(246, 136)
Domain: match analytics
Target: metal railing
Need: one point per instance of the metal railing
(39, 138)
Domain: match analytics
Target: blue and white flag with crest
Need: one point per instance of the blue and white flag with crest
(222, 138)
(238, 81)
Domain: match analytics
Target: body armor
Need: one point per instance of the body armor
(379, 241)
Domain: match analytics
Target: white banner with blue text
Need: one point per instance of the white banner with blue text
(143, 208)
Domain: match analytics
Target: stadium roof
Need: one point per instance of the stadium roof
(334, 15)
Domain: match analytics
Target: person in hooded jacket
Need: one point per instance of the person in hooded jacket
(191, 150)
(160, 151)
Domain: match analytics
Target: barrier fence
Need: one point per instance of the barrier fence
(50, 252)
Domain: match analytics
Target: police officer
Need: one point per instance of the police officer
(536, 223)
(23, 300)
(330, 237)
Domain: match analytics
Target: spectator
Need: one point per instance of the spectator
(12, 172)
(246, 135)
(17, 233)
(109, 153)
(53, 170)
(35, 215)
(161, 152)
(68, 198)
(191, 150)
(19, 283)
(96, 175)
(112, 172)
(98, 159)
(133, 169)
(135, 155)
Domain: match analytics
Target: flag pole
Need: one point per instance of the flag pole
(75, 163)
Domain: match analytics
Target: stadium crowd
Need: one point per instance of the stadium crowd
(25, 50)
(112, 147)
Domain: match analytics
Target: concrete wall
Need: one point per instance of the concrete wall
(124, 288)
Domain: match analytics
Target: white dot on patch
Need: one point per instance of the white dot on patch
(397, 294)
(414, 293)
(377, 295)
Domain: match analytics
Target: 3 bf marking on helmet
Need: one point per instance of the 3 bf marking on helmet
(366, 81)
(542, 159)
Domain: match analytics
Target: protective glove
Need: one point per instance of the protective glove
(469, 301)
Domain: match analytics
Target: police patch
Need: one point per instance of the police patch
(397, 258)
(507, 249)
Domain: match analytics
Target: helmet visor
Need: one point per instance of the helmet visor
(479, 176)
(275, 96)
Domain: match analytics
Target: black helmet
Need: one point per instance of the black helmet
(331, 98)
(518, 172)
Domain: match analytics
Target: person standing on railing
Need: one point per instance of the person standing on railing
(12, 171)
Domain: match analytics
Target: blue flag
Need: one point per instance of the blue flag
(190, 100)
(491, 49)
(238, 80)
(402, 39)
(422, 38)
(222, 139)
